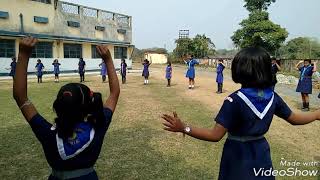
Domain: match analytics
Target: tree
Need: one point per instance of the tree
(260, 5)
(258, 30)
(200, 46)
(301, 48)
(184, 46)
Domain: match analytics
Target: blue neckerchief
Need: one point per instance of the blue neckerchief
(81, 137)
(304, 71)
(258, 97)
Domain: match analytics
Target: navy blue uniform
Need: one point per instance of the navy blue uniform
(13, 66)
(191, 72)
(305, 81)
(39, 68)
(247, 114)
(145, 72)
(79, 152)
(274, 70)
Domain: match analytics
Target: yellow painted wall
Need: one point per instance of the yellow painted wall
(157, 58)
(99, 34)
(25, 7)
(74, 31)
(86, 51)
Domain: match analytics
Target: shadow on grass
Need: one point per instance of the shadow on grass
(129, 154)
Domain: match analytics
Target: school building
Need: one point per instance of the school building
(66, 32)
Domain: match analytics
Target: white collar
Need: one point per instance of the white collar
(253, 108)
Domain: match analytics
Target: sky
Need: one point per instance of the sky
(156, 23)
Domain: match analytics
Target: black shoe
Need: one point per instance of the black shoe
(305, 109)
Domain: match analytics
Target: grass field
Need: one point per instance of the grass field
(135, 146)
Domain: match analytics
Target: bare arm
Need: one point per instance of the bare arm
(20, 81)
(298, 65)
(314, 67)
(112, 100)
(303, 118)
(174, 124)
(279, 68)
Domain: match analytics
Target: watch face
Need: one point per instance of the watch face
(188, 129)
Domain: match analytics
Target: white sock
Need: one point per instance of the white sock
(192, 86)
(147, 81)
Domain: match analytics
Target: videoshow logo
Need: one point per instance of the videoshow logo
(292, 168)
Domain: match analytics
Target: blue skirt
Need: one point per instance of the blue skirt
(168, 75)
(219, 78)
(123, 73)
(39, 73)
(305, 85)
(191, 73)
(240, 159)
(145, 73)
(12, 73)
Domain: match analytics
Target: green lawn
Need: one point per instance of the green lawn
(135, 146)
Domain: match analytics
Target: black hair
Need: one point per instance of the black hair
(191, 55)
(169, 63)
(251, 68)
(14, 59)
(39, 60)
(307, 60)
(220, 60)
(74, 103)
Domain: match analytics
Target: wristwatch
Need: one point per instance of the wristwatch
(187, 129)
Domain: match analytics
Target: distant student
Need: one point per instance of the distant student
(39, 67)
(169, 74)
(12, 68)
(72, 145)
(123, 70)
(145, 72)
(274, 69)
(56, 70)
(191, 62)
(103, 72)
(81, 68)
(245, 116)
(305, 81)
(219, 79)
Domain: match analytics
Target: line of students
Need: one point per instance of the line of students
(72, 145)
(56, 69)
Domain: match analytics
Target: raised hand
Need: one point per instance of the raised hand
(173, 123)
(26, 45)
(104, 53)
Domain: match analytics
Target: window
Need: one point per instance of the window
(100, 28)
(73, 24)
(94, 52)
(42, 50)
(43, 1)
(120, 52)
(39, 19)
(7, 48)
(72, 50)
(4, 15)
